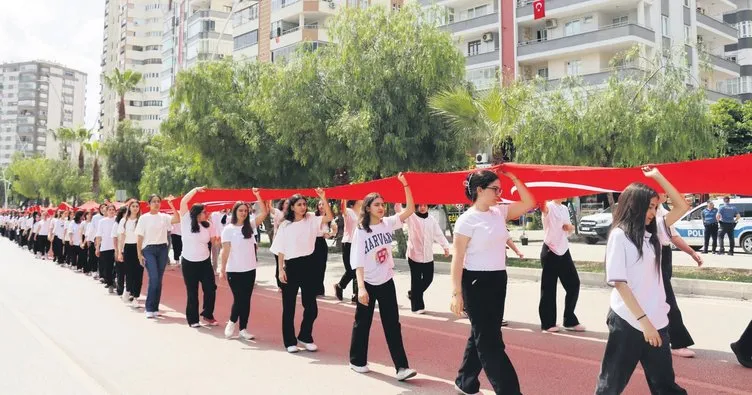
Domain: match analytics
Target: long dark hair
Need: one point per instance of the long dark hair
(365, 216)
(34, 216)
(350, 203)
(629, 216)
(194, 212)
(247, 230)
(121, 213)
(290, 213)
(77, 218)
(128, 211)
(478, 179)
(319, 212)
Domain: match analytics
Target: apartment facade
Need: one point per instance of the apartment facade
(36, 98)
(742, 50)
(133, 41)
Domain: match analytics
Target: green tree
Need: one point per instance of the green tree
(171, 168)
(126, 156)
(732, 122)
(28, 175)
(122, 83)
(94, 147)
(66, 136)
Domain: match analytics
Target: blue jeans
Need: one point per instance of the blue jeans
(156, 261)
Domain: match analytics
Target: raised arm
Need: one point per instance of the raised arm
(187, 198)
(175, 215)
(263, 211)
(409, 204)
(328, 215)
(527, 201)
(680, 205)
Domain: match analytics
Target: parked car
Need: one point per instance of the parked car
(595, 227)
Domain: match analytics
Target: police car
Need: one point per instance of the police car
(692, 229)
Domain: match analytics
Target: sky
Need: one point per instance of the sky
(68, 32)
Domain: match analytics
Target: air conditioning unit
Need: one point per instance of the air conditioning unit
(487, 36)
(331, 4)
(699, 39)
(551, 23)
(481, 158)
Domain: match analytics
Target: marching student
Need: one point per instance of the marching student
(422, 232)
(278, 216)
(152, 232)
(239, 262)
(43, 234)
(350, 209)
(120, 267)
(101, 213)
(84, 257)
(75, 238)
(67, 250)
(90, 234)
(57, 226)
(479, 279)
(177, 242)
(105, 247)
(294, 243)
(371, 257)
(679, 336)
(637, 320)
(32, 240)
(557, 265)
(128, 255)
(321, 251)
(197, 236)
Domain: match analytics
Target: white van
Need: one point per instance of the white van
(692, 229)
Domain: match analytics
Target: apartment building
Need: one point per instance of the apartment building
(742, 51)
(133, 41)
(193, 31)
(36, 98)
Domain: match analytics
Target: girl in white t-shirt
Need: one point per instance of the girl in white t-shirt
(479, 279)
(557, 265)
(197, 234)
(152, 230)
(43, 232)
(238, 262)
(350, 209)
(105, 247)
(76, 238)
(128, 255)
(278, 217)
(638, 318)
(321, 251)
(373, 264)
(294, 244)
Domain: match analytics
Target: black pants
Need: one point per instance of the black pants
(625, 347)
(121, 275)
(31, 242)
(83, 255)
(241, 284)
(555, 268)
(134, 272)
(349, 272)
(193, 274)
(73, 252)
(107, 265)
(301, 274)
(745, 341)
(386, 295)
(93, 261)
(421, 276)
(727, 228)
(177, 246)
(67, 252)
(484, 294)
(711, 232)
(42, 245)
(57, 249)
(321, 252)
(678, 333)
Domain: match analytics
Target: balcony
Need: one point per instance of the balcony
(715, 95)
(598, 77)
(296, 34)
(717, 26)
(490, 18)
(723, 62)
(525, 7)
(492, 56)
(610, 36)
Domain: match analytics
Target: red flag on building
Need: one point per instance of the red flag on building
(539, 9)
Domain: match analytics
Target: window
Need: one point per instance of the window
(687, 35)
(543, 73)
(573, 67)
(477, 11)
(572, 27)
(686, 3)
(587, 19)
(473, 48)
(541, 35)
(245, 15)
(665, 26)
(245, 40)
(622, 20)
(745, 29)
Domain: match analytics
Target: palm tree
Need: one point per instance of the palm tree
(93, 148)
(122, 83)
(82, 135)
(65, 136)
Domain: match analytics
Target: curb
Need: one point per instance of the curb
(682, 286)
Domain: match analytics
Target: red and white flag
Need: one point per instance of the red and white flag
(539, 9)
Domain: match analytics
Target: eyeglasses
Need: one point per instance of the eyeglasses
(496, 189)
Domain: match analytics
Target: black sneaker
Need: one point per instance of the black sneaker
(354, 299)
(410, 295)
(745, 361)
(504, 323)
(338, 292)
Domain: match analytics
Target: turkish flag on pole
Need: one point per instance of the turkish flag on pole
(539, 9)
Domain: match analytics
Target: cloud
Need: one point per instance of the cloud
(68, 32)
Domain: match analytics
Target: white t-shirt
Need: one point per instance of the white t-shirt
(127, 227)
(242, 251)
(278, 217)
(44, 227)
(95, 220)
(663, 236)
(104, 231)
(623, 264)
(154, 228)
(553, 234)
(59, 228)
(176, 229)
(216, 221)
(297, 239)
(37, 227)
(195, 245)
(90, 231)
(488, 235)
(351, 224)
(373, 251)
(421, 234)
(76, 233)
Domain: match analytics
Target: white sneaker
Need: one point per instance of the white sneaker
(245, 335)
(360, 369)
(292, 349)
(420, 312)
(134, 304)
(229, 329)
(96, 276)
(149, 314)
(111, 290)
(309, 346)
(405, 373)
(195, 325)
(125, 298)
